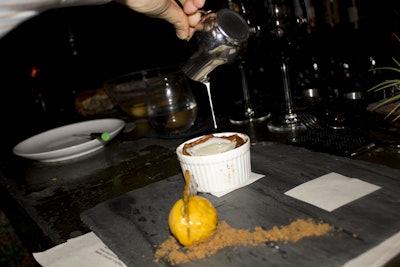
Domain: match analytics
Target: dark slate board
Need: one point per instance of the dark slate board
(133, 224)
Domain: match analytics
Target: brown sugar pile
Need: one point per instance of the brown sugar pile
(226, 236)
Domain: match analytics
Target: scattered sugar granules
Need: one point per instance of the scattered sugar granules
(226, 236)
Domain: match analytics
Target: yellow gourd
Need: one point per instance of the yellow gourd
(192, 218)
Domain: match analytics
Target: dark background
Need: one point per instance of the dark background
(78, 48)
(75, 49)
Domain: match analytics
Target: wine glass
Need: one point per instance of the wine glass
(281, 34)
(249, 112)
(290, 121)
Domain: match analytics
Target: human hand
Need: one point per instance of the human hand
(183, 18)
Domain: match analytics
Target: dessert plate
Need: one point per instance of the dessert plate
(69, 141)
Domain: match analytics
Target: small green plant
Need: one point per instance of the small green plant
(393, 83)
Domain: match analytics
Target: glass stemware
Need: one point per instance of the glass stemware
(249, 113)
(280, 32)
(290, 121)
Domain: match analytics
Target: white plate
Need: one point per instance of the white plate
(67, 142)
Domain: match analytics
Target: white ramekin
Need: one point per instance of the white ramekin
(218, 172)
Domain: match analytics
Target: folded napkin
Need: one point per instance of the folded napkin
(253, 177)
(85, 250)
(331, 191)
(378, 256)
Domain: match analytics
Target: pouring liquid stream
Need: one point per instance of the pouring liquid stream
(207, 84)
(219, 37)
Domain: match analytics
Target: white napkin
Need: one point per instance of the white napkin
(85, 250)
(253, 177)
(378, 256)
(331, 191)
